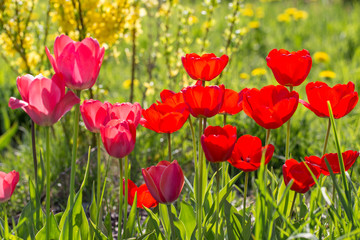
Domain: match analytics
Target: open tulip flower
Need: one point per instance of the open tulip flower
(271, 106)
(43, 99)
(164, 181)
(8, 183)
(95, 114)
(342, 98)
(144, 197)
(204, 101)
(349, 158)
(289, 68)
(118, 137)
(78, 62)
(164, 118)
(218, 142)
(126, 111)
(205, 67)
(247, 153)
(175, 100)
(233, 101)
(299, 173)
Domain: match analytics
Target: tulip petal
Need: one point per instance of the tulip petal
(16, 103)
(172, 182)
(52, 60)
(152, 186)
(65, 105)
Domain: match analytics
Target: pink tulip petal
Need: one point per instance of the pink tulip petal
(60, 43)
(16, 103)
(51, 59)
(65, 105)
(23, 84)
(152, 186)
(172, 182)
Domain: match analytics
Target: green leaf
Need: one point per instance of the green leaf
(187, 216)
(130, 224)
(54, 230)
(153, 223)
(98, 234)
(6, 137)
(107, 223)
(164, 217)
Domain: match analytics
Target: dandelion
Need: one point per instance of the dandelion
(300, 15)
(327, 74)
(321, 57)
(244, 76)
(127, 83)
(291, 11)
(254, 24)
(258, 72)
(283, 17)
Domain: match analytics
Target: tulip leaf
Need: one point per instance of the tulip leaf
(179, 227)
(54, 230)
(153, 223)
(164, 217)
(107, 223)
(6, 137)
(187, 216)
(93, 207)
(98, 234)
(130, 224)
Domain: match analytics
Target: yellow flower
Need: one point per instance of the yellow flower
(192, 20)
(127, 83)
(258, 72)
(248, 12)
(254, 24)
(321, 57)
(327, 74)
(283, 17)
(300, 15)
(150, 89)
(291, 11)
(244, 76)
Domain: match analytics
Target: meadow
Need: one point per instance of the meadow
(144, 42)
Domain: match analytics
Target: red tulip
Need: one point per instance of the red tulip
(126, 111)
(175, 100)
(43, 99)
(204, 101)
(349, 158)
(289, 68)
(247, 153)
(118, 137)
(218, 142)
(271, 106)
(298, 172)
(233, 101)
(95, 114)
(78, 62)
(163, 118)
(342, 98)
(164, 181)
(8, 183)
(144, 197)
(204, 68)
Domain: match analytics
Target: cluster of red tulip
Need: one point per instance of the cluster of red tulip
(77, 65)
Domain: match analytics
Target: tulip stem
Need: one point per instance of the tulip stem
(292, 205)
(126, 190)
(217, 202)
(223, 164)
(169, 145)
(245, 194)
(172, 236)
(33, 144)
(98, 190)
(47, 132)
(199, 192)
(73, 160)
(287, 146)
(120, 199)
(6, 223)
(327, 137)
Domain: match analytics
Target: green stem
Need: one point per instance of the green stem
(120, 199)
(217, 203)
(223, 164)
(199, 192)
(73, 160)
(47, 132)
(292, 205)
(126, 190)
(171, 222)
(138, 220)
(326, 137)
(287, 146)
(169, 145)
(33, 144)
(6, 223)
(245, 194)
(98, 189)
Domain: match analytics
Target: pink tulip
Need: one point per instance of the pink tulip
(126, 111)
(8, 183)
(118, 137)
(95, 114)
(164, 181)
(78, 62)
(43, 99)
